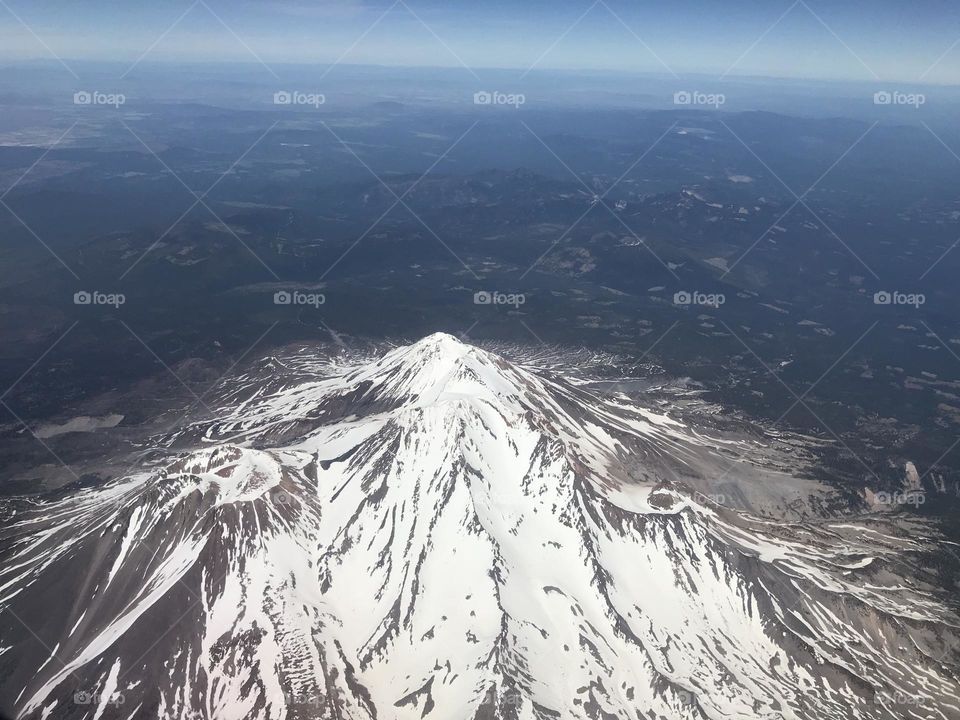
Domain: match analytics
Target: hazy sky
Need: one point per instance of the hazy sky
(906, 41)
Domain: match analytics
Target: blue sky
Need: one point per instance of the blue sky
(843, 39)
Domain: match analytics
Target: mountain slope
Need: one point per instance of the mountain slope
(440, 533)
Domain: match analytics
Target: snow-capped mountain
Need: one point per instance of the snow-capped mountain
(441, 533)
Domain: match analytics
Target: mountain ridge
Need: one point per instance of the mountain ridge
(444, 533)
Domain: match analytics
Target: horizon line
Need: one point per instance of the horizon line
(6, 62)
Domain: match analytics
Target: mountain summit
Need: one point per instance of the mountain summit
(442, 533)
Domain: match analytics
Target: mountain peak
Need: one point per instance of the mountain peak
(441, 533)
(441, 339)
(440, 366)
(436, 345)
